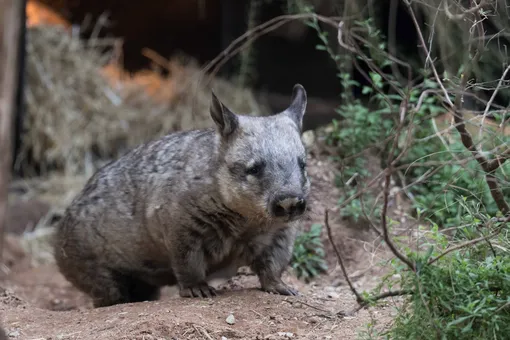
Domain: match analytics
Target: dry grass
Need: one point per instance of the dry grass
(79, 113)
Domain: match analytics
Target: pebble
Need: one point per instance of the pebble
(314, 320)
(308, 138)
(13, 334)
(333, 295)
(231, 319)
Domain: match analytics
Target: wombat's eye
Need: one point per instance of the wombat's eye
(302, 163)
(256, 169)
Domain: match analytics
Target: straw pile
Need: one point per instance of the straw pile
(80, 112)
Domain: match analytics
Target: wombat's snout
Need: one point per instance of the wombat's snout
(288, 206)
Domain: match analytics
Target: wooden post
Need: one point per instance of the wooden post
(20, 94)
(11, 12)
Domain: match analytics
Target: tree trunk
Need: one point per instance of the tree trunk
(11, 12)
(19, 110)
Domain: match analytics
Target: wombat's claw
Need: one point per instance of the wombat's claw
(201, 290)
(281, 289)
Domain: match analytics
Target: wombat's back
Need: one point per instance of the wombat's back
(175, 163)
(108, 218)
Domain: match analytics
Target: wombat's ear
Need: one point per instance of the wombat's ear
(225, 120)
(297, 107)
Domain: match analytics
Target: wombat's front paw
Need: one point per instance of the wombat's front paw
(280, 288)
(202, 290)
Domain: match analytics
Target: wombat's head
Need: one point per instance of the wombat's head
(262, 166)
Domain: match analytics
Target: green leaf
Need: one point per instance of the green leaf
(366, 90)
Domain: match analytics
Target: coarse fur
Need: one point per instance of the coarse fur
(189, 207)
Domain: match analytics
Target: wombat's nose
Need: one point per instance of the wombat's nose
(289, 206)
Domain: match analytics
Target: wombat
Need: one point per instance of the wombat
(189, 207)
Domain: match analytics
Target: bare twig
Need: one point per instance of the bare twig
(384, 224)
(464, 13)
(427, 52)
(309, 305)
(386, 190)
(341, 40)
(362, 303)
(504, 306)
(359, 298)
(464, 245)
(202, 331)
(489, 103)
(381, 296)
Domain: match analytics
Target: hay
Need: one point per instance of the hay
(78, 115)
(56, 190)
(38, 246)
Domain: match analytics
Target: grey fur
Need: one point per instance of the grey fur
(189, 207)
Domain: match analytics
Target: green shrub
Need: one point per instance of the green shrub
(465, 294)
(308, 255)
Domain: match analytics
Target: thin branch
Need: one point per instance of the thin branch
(489, 103)
(427, 52)
(359, 298)
(463, 245)
(386, 190)
(465, 12)
(372, 299)
(505, 306)
(362, 303)
(341, 40)
(384, 224)
(309, 305)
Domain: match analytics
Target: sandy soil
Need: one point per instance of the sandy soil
(36, 302)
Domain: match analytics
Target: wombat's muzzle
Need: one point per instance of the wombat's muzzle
(288, 206)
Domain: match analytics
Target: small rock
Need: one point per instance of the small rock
(308, 138)
(333, 295)
(286, 334)
(231, 319)
(314, 320)
(223, 338)
(13, 334)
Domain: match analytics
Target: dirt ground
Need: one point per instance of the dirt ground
(36, 302)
